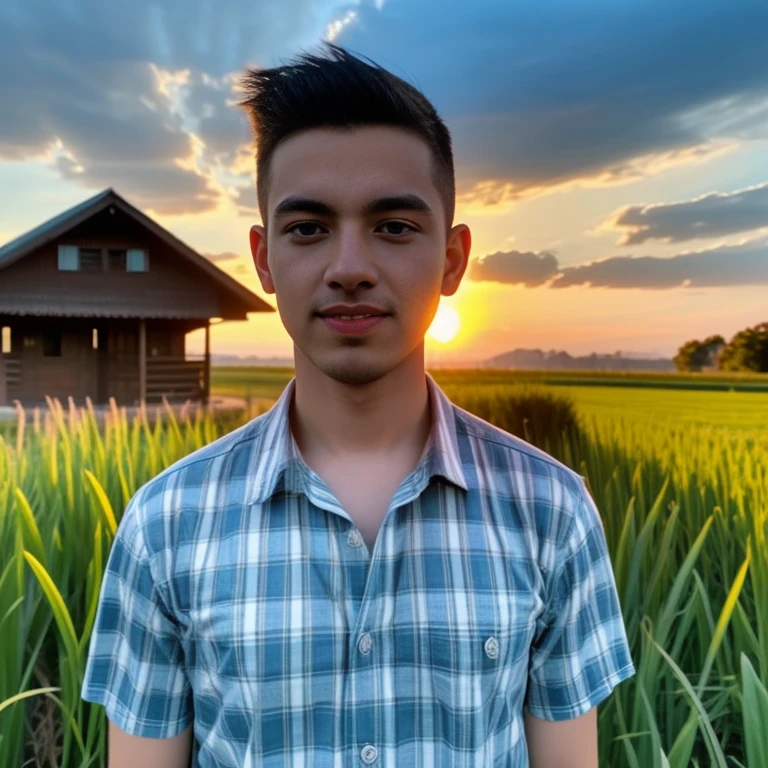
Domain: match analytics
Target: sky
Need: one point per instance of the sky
(611, 157)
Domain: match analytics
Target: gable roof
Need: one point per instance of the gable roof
(58, 225)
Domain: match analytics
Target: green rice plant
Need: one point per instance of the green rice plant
(64, 484)
(684, 507)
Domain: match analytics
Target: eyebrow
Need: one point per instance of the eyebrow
(404, 202)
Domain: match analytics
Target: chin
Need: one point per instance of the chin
(354, 372)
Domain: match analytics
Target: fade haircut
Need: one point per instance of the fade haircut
(345, 92)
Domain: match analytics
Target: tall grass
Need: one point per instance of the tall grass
(684, 511)
(64, 483)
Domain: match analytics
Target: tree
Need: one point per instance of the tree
(746, 351)
(695, 355)
(714, 346)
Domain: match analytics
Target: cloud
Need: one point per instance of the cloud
(83, 87)
(743, 264)
(101, 124)
(712, 215)
(539, 95)
(516, 267)
(236, 264)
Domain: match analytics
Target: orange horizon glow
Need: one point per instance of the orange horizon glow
(445, 325)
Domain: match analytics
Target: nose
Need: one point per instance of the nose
(352, 260)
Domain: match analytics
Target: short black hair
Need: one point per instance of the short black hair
(346, 92)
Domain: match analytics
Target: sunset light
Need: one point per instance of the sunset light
(446, 324)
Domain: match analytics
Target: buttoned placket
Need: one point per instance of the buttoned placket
(362, 647)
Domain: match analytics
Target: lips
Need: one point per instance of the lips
(356, 315)
(352, 310)
(356, 327)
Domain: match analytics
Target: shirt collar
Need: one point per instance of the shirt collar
(278, 464)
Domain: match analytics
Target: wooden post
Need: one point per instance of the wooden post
(142, 361)
(207, 387)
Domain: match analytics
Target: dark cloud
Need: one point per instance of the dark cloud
(539, 94)
(535, 94)
(529, 269)
(712, 215)
(221, 125)
(82, 76)
(744, 264)
(246, 201)
(111, 137)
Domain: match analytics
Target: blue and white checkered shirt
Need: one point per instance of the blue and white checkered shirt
(239, 596)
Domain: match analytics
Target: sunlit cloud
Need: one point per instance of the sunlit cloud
(745, 263)
(727, 265)
(514, 267)
(711, 215)
(492, 196)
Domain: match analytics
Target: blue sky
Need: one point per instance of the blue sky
(617, 151)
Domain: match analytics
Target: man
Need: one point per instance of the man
(366, 574)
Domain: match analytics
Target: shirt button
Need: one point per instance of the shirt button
(368, 754)
(491, 648)
(354, 539)
(365, 642)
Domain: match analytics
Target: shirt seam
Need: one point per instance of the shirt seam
(593, 697)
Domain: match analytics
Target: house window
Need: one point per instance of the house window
(117, 260)
(90, 260)
(51, 343)
(6, 340)
(68, 258)
(137, 260)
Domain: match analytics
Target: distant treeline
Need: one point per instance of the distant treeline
(539, 360)
(746, 351)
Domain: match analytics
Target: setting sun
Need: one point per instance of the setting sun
(446, 324)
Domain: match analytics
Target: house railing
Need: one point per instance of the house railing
(177, 378)
(12, 378)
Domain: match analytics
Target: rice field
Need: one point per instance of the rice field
(679, 474)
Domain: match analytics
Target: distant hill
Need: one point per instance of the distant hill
(524, 359)
(537, 359)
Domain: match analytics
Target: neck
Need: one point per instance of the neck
(333, 418)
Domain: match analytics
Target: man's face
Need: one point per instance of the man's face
(396, 260)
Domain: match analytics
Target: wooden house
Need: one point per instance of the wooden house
(97, 302)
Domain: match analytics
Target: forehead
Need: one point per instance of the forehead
(350, 166)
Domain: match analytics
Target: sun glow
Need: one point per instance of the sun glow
(446, 324)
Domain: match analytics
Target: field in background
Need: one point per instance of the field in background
(680, 477)
(731, 401)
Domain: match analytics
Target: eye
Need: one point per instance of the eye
(398, 224)
(309, 225)
(303, 224)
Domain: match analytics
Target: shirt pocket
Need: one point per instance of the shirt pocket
(466, 665)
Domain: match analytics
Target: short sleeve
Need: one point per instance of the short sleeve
(135, 661)
(580, 652)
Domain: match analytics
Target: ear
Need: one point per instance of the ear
(258, 237)
(456, 258)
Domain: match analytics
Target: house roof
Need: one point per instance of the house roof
(58, 225)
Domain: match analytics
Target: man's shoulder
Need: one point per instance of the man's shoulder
(202, 478)
(505, 455)
(541, 495)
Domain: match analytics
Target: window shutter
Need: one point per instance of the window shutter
(68, 258)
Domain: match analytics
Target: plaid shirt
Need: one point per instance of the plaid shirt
(239, 596)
